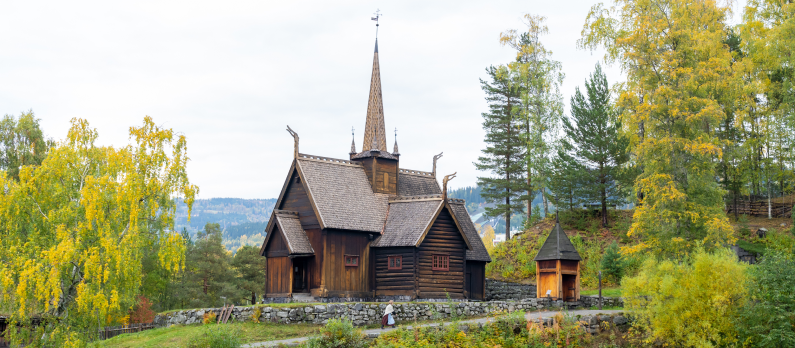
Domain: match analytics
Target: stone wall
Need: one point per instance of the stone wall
(499, 290)
(370, 313)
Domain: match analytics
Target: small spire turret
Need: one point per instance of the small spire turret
(353, 142)
(395, 150)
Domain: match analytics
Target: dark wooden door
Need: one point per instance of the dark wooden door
(299, 275)
(468, 283)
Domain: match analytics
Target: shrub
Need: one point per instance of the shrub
(612, 264)
(690, 302)
(768, 320)
(142, 312)
(256, 314)
(338, 334)
(216, 337)
(208, 318)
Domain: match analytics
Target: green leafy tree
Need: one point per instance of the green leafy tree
(504, 152)
(769, 319)
(22, 143)
(251, 267)
(73, 231)
(597, 148)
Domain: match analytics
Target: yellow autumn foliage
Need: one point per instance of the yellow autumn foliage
(692, 303)
(680, 76)
(73, 230)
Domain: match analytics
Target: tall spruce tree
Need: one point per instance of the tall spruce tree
(597, 147)
(564, 186)
(504, 152)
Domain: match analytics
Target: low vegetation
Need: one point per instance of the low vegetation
(199, 335)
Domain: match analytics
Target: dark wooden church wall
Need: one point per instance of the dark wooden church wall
(296, 199)
(394, 282)
(476, 280)
(442, 239)
(279, 266)
(341, 280)
(386, 169)
(315, 263)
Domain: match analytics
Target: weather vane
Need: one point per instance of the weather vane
(377, 16)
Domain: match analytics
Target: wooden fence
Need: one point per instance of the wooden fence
(112, 331)
(759, 208)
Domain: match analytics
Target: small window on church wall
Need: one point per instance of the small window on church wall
(351, 260)
(395, 262)
(441, 262)
(386, 181)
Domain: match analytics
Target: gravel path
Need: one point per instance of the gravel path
(372, 333)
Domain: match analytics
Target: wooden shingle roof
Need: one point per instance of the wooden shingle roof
(341, 194)
(417, 183)
(557, 247)
(408, 220)
(478, 251)
(294, 235)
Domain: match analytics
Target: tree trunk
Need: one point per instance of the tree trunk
(604, 204)
(253, 298)
(546, 204)
(508, 219)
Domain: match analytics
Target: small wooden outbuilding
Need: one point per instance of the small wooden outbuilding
(558, 267)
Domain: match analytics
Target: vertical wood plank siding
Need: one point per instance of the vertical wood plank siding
(394, 282)
(340, 280)
(279, 270)
(296, 199)
(442, 239)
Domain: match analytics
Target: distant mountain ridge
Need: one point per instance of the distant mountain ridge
(242, 220)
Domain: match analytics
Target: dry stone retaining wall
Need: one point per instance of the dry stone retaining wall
(370, 313)
(501, 291)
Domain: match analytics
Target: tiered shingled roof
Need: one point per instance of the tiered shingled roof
(417, 183)
(294, 234)
(408, 220)
(341, 194)
(478, 251)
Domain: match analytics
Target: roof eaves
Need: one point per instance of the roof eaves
(429, 224)
(311, 197)
(458, 225)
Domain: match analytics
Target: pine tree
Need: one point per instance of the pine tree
(563, 184)
(597, 147)
(210, 264)
(504, 152)
(539, 78)
(250, 266)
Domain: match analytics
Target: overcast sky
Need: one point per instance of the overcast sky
(230, 75)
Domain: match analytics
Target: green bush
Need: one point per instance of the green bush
(690, 302)
(338, 334)
(216, 336)
(768, 320)
(612, 264)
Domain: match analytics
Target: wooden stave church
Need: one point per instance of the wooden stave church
(364, 228)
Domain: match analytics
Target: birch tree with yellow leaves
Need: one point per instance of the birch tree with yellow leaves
(73, 231)
(678, 68)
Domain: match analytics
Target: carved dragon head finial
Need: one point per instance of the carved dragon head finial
(436, 158)
(444, 184)
(295, 139)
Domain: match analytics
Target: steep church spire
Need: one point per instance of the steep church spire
(374, 128)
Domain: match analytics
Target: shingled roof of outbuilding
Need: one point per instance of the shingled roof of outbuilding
(407, 220)
(557, 247)
(417, 183)
(341, 194)
(478, 251)
(294, 235)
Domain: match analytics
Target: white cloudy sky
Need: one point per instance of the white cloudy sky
(230, 75)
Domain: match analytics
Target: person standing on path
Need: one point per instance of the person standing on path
(387, 319)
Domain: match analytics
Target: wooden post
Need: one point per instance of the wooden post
(600, 290)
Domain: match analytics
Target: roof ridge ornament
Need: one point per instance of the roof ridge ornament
(435, 158)
(353, 142)
(444, 184)
(395, 150)
(295, 140)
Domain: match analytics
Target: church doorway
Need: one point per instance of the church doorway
(300, 283)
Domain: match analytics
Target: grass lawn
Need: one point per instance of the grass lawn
(179, 336)
(606, 292)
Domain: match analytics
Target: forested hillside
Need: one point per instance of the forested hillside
(243, 221)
